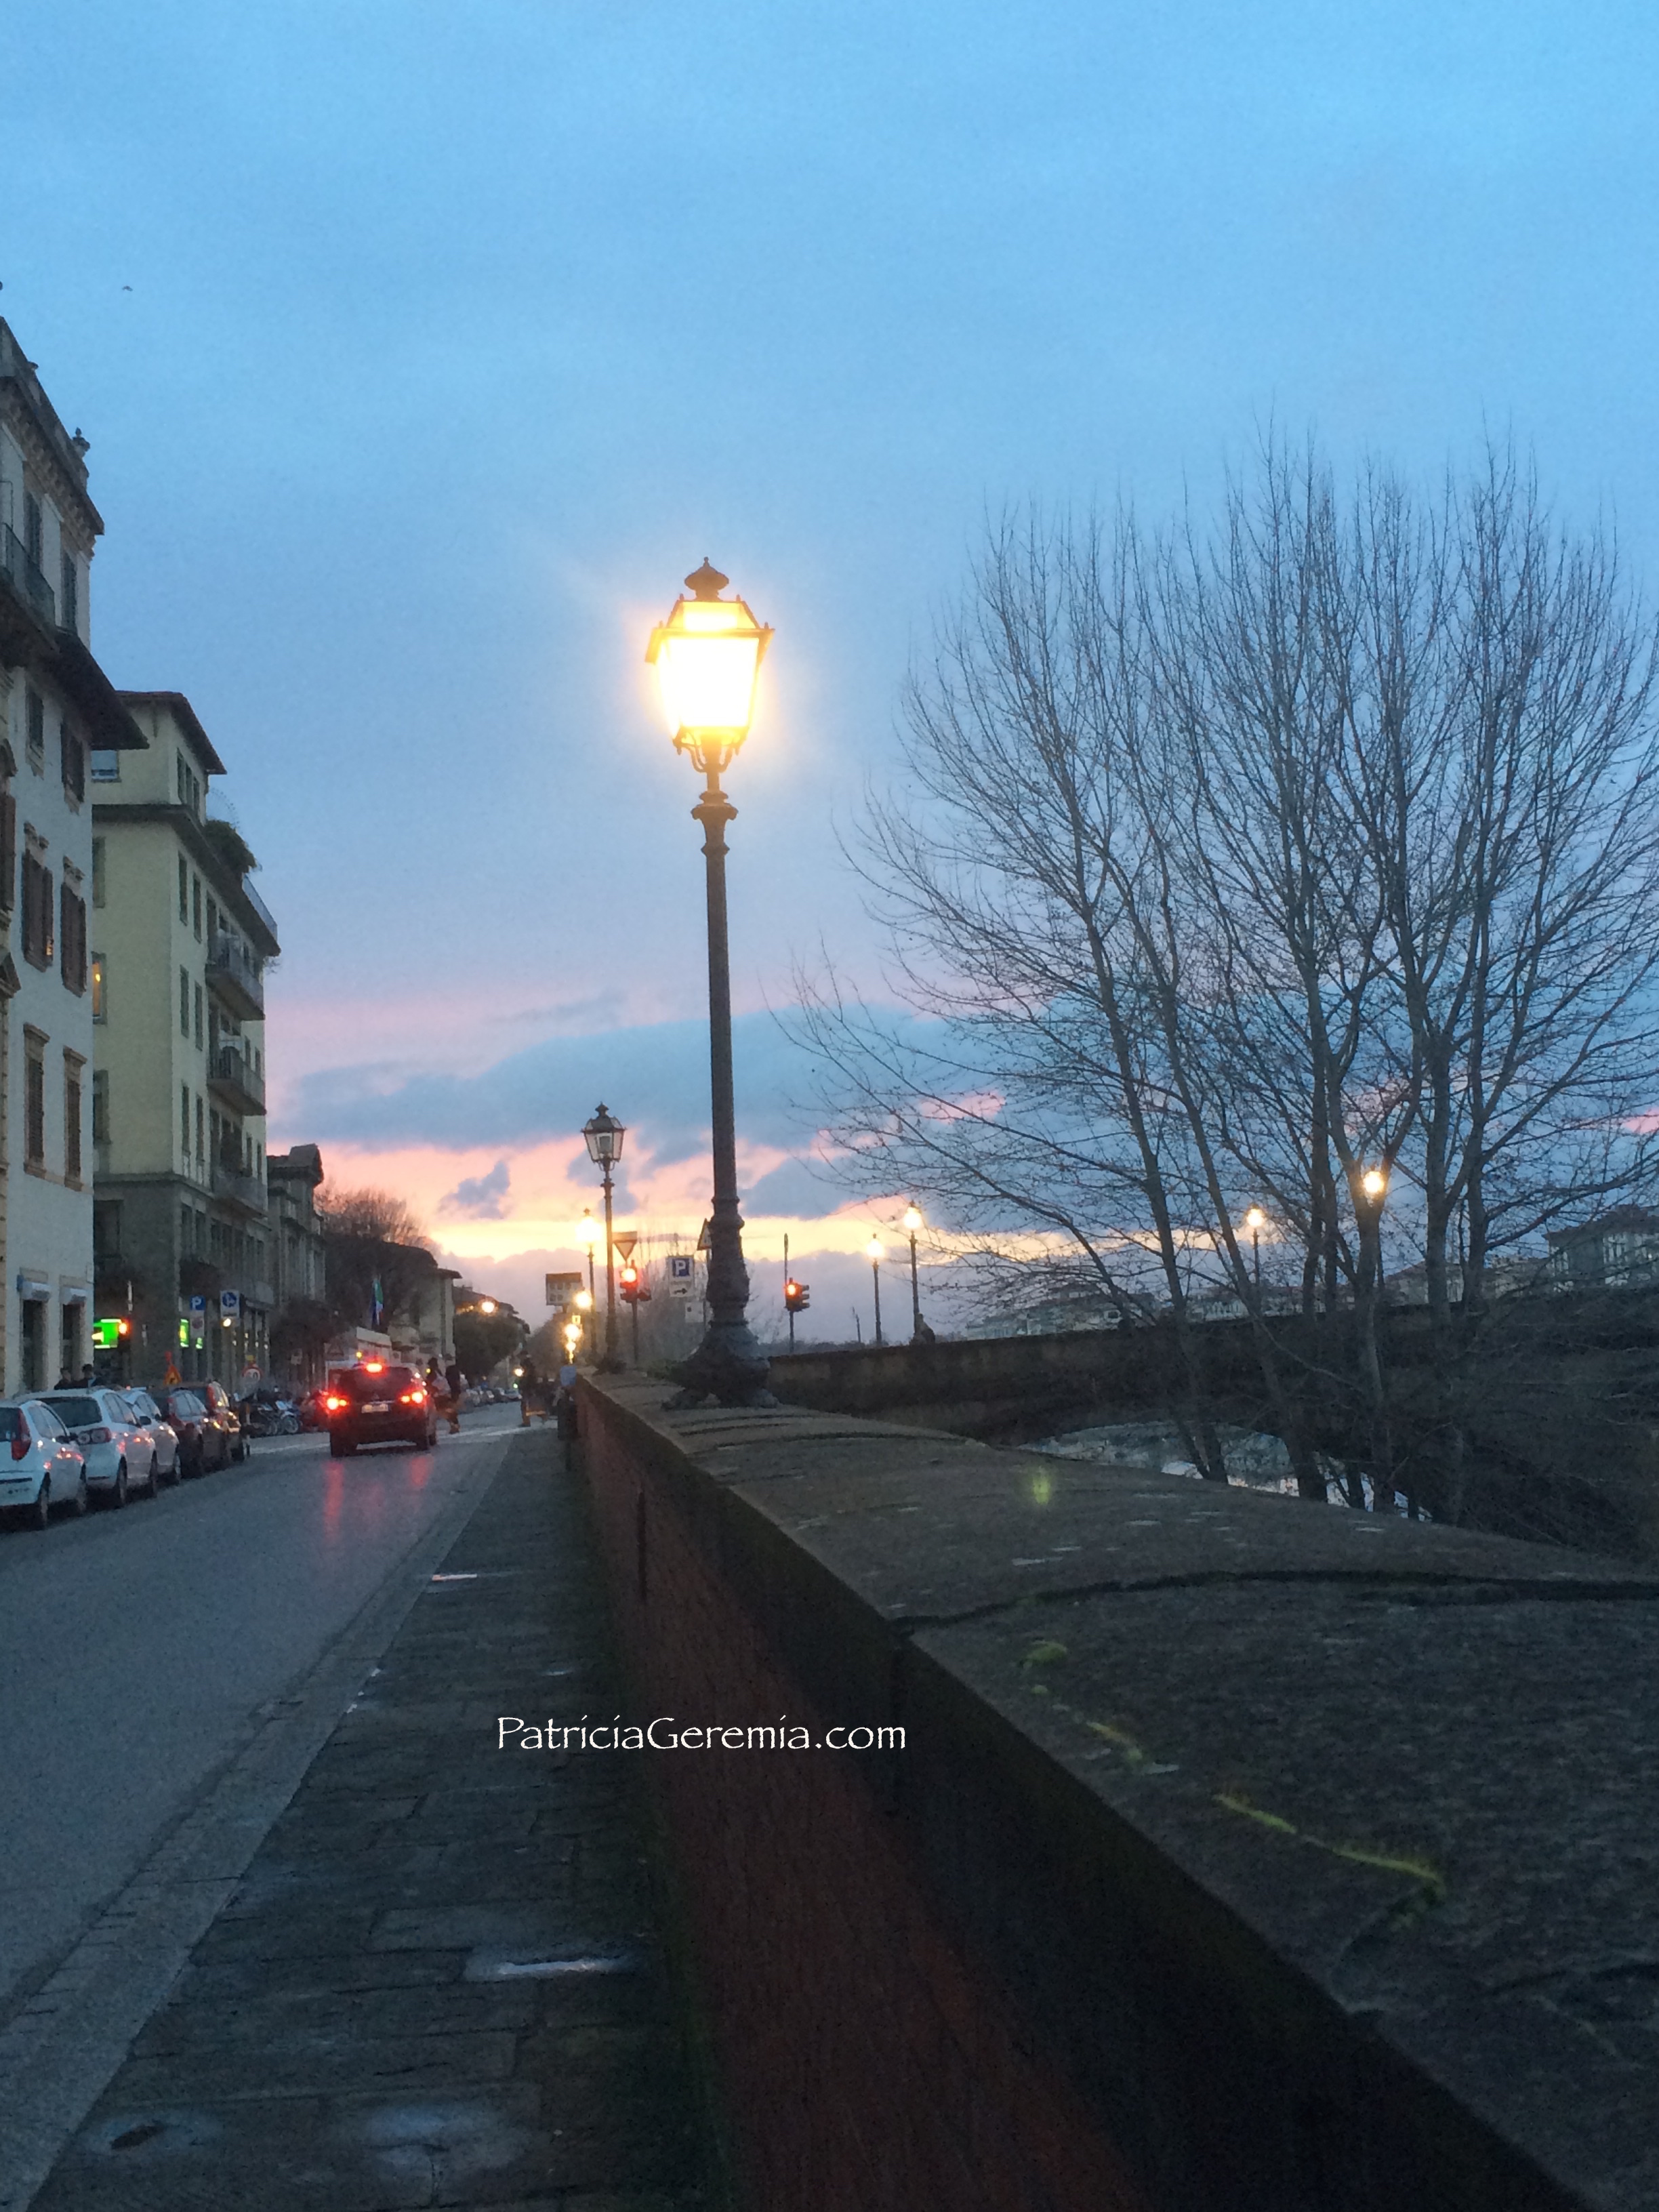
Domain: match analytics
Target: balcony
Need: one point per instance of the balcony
(231, 1078)
(234, 974)
(245, 1192)
(29, 606)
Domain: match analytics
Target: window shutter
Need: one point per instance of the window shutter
(48, 916)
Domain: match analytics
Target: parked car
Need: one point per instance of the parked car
(120, 1455)
(220, 1403)
(378, 1403)
(163, 1436)
(43, 1467)
(204, 1444)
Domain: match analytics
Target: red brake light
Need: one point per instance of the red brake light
(373, 1366)
(20, 1442)
(335, 1405)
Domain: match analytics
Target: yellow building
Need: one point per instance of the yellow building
(179, 941)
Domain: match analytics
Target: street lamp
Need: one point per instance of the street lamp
(913, 1222)
(873, 1253)
(708, 656)
(589, 1235)
(1375, 1184)
(605, 1134)
(1256, 1221)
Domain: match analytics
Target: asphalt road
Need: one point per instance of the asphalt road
(140, 1651)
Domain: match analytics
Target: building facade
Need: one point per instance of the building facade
(179, 941)
(300, 1328)
(56, 709)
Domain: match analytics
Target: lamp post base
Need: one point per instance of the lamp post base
(728, 1365)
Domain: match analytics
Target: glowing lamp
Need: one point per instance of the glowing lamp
(912, 1219)
(1373, 1183)
(708, 656)
(872, 1251)
(1255, 1220)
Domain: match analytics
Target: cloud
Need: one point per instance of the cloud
(794, 1189)
(482, 1197)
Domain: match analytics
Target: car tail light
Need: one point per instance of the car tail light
(19, 1444)
(97, 1436)
(335, 1405)
(412, 1397)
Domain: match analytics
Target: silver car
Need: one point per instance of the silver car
(41, 1466)
(118, 1454)
(147, 1416)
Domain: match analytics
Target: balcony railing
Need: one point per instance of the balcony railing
(27, 578)
(233, 1076)
(236, 1189)
(234, 970)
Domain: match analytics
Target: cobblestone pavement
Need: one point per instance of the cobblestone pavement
(440, 1982)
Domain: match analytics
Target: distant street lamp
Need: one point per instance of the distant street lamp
(605, 1134)
(1256, 1221)
(913, 1222)
(1375, 1184)
(708, 656)
(486, 1305)
(589, 1234)
(873, 1253)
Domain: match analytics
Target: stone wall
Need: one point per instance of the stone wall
(1222, 1870)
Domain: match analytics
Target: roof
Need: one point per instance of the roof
(184, 713)
(301, 1164)
(1604, 1225)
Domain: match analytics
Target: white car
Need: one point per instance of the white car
(163, 1436)
(119, 1453)
(40, 1464)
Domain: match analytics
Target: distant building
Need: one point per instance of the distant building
(1618, 1250)
(181, 939)
(1048, 1318)
(298, 1266)
(57, 709)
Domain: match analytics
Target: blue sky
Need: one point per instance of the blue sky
(457, 333)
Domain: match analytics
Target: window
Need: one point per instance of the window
(106, 766)
(35, 1100)
(196, 904)
(190, 785)
(201, 1149)
(184, 1120)
(73, 1065)
(35, 717)
(184, 890)
(7, 848)
(37, 913)
(184, 1005)
(98, 871)
(68, 610)
(33, 533)
(72, 934)
(198, 1017)
(100, 1111)
(99, 988)
(72, 759)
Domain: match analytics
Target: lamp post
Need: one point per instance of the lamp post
(912, 1223)
(589, 1234)
(605, 1134)
(708, 656)
(873, 1253)
(1256, 1221)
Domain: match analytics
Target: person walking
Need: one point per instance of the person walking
(457, 1381)
(529, 1389)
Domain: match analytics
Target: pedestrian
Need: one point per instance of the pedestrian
(564, 1402)
(457, 1381)
(65, 1380)
(88, 1376)
(529, 1389)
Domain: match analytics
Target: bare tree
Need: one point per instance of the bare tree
(1312, 862)
(372, 1237)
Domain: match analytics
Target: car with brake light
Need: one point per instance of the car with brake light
(118, 1454)
(224, 1409)
(41, 1466)
(378, 1402)
(202, 1442)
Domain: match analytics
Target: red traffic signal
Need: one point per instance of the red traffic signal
(635, 1291)
(796, 1296)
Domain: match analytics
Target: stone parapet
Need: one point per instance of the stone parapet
(1242, 1855)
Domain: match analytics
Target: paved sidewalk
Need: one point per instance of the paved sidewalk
(440, 1982)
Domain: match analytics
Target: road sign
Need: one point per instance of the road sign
(682, 1274)
(561, 1289)
(622, 1244)
(230, 1304)
(198, 1304)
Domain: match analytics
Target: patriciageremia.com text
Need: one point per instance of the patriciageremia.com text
(667, 1734)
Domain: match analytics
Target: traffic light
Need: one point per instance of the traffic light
(797, 1297)
(635, 1291)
